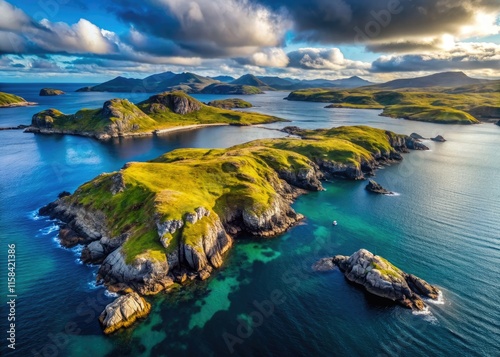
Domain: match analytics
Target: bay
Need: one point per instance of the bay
(443, 226)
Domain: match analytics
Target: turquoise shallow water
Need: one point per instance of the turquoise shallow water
(443, 226)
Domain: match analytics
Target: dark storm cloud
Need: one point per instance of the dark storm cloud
(355, 21)
(464, 56)
(216, 28)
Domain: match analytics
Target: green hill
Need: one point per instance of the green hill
(119, 117)
(11, 100)
(447, 106)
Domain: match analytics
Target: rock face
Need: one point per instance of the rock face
(415, 144)
(381, 278)
(374, 187)
(45, 119)
(439, 138)
(123, 312)
(175, 101)
(50, 92)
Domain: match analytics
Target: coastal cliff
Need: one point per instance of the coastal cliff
(151, 224)
(121, 118)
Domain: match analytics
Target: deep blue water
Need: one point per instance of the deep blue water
(443, 226)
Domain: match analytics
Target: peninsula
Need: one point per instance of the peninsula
(8, 100)
(156, 224)
(160, 113)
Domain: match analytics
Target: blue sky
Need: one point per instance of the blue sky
(93, 41)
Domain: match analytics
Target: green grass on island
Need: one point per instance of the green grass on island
(240, 178)
(166, 110)
(230, 103)
(446, 106)
(7, 99)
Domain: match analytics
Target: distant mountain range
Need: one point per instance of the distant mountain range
(250, 84)
(444, 79)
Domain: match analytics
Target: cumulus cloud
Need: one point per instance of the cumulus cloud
(462, 56)
(216, 28)
(323, 59)
(268, 57)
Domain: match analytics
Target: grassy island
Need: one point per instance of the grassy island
(8, 100)
(119, 117)
(246, 178)
(464, 105)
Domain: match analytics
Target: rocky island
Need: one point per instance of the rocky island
(160, 113)
(8, 100)
(381, 278)
(50, 92)
(170, 220)
(374, 187)
(230, 103)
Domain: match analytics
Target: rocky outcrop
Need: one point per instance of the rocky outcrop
(305, 178)
(374, 187)
(498, 123)
(439, 139)
(123, 312)
(177, 102)
(50, 92)
(381, 278)
(416, 136)
(45, 119)
(144, 275)
(414, 143)
(87, 225)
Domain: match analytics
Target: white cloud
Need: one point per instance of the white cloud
(323, 59)
(270, 57)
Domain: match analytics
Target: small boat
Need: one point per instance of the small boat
(334, 223)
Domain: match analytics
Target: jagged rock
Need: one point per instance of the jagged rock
(416, 136)
(439, 138)
(175, 101)
(90, 225)
(383, 279)
(374, 187)
(498, 123)
(117, 184)
(69, 238)
(199, 213)
(324, 264)
(45, 119)
(293, 130)
(306, 178)
(415, 144)
(50, 92)
(123, 312)
(147, 276)
(204, 275)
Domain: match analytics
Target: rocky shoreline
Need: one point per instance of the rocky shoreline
(185, 260)
(20, 104)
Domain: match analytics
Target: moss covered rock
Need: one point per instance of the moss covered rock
(379, 277)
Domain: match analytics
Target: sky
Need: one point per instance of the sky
(96, 40)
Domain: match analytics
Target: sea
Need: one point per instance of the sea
(443, 225)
